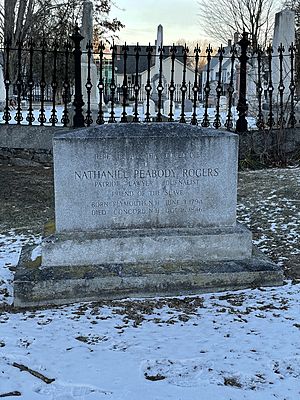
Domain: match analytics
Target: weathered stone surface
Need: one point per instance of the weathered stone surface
(143, 209)
(25, 157)
(88, 71)
(145, 176)
(25, 137)
(35, 286)
(166, 107)
(138, 246)
(283, 35)
(152, 110)
(188, 105)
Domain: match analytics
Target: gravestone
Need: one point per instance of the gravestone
(151, 107)
(284, 34)
(87, 33)
(252, 79)
(142, 210)
(155, 74)
(223, 103)
(188, 105)
(166, 107)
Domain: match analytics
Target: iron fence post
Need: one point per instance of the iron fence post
(241, 123)
(78, 119)
(7, 82)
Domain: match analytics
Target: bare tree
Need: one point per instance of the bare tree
(52, 19)
(220, 19)
(20, 19)
(16, 17)
(191, 44)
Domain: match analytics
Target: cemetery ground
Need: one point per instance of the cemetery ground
(230, 345)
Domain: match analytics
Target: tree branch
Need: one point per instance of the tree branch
(34, 373)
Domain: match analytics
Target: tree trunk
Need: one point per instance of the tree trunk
(9, 16)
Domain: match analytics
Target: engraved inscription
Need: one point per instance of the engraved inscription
(154, 173)
(90, 175)
(145, 191)
(124, 207)
(200, 172)
(145, 174)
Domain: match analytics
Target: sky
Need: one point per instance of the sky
(141, 17)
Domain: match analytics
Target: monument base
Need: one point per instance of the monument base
(142, 210)
(147, 246)
(38, 284)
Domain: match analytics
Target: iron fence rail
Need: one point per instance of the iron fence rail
(43, 84)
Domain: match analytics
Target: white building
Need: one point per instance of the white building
(225, 79)
(143, 71)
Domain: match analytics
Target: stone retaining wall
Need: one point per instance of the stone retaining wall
(270, 147)
(32, 145)
(26, 157)
(27, 145)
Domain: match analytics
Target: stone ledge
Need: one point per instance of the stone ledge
(34, 286)
(144, 129)
(147, 246)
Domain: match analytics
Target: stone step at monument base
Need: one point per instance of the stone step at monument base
(147, 246)
(34, 286)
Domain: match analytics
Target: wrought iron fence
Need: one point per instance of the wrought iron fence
(50, 84)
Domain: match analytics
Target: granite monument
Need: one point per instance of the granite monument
(140, 210)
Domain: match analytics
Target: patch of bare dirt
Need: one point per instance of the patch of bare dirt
(26, 198)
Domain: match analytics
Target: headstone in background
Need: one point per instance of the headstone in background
(284, 33)
(188, 105)
(252, 79)
(223, 103)
(151, 108)
(159, 45)
(166, 107)
(156, 74)
(87, 33)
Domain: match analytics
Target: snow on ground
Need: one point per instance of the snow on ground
(232, 345)
(242, 345)
(10, 250)
(141, 112)
(268, 203)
